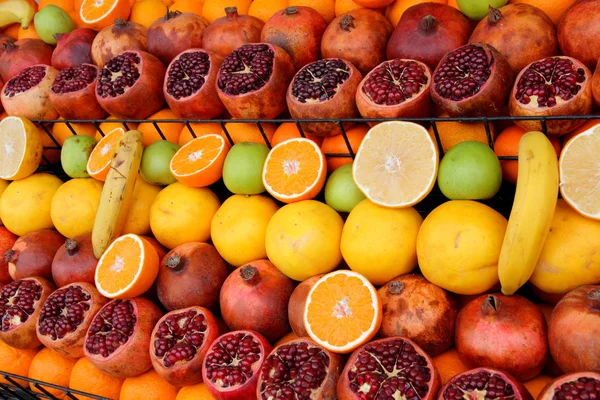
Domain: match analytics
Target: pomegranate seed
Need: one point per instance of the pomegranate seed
(186, 74)
(320, 80)
(179, 337)
(395, 82)
(63, 311)
(73, 79)
(18, 301)
(111, 328)
(120, 73)
(492, 386)
(230, 362)
(26, 79)
(246, 69)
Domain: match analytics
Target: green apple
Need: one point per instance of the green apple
(74, 155)
(479, 9)
(341, 192)
(51, 20)
(155, 163)
(242, 170)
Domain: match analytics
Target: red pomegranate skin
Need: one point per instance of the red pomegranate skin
(3, 40)
(75, 262)
(575, 386)
(297, 304)
(7, 241)
(73, 48)
(596, 84)
(578, 31)
(32, 254)
(551, 368)
(22, 54)
(117, 38)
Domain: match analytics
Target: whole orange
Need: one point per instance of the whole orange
(335, 147)
(448, 365)
(249, 132)
(61, 131)
(199, 128)
(193, 6)
(289, 130)
(325, 7)
(170, 130)
(66, 5)
(145, 12)
(29, 33)
(395, 10)
(215, 9)
(373, 3)
(265, 9)
(451, 132)
(51, 367)
(12, 30)
(85, 377)
(15, 361)
(554, 8)
(537, 384)
(194, 392)
(107, 126)
(148, 386)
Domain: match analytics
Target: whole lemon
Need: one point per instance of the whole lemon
(238, 228)
(25, 204)
(303, 239)
(3, 186)
(459, 244)
(182, 214)
(138, 218)
(381, 243)
(74, 206)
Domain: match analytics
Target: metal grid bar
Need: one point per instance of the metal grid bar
(14, 390)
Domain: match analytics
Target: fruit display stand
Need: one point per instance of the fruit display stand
(15, 390)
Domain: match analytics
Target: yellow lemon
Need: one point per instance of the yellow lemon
(74, 206)
(3, 186)
(138, 218)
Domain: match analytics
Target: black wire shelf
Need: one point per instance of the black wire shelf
(16, 391)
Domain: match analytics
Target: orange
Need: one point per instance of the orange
(343, 6)
(265, 9)
(537, 384)
(199, 129)
(193, 6)
(194, 392)
(77, 19)
(200, 162)
(215, 9)
(374, 3)
(51, 154)
(287, 338)
(51, 367)
(448, 365)
(170, 130)
(15, 361)
(107, 126)
(12, 31)
(335, 146)
(99, 14)
(148, 386)
(394, 11)
(294, 170)
(553, 8)
(66, 5)
(127, 268)
(453, 3)
(20, 148)
(453, 132)
(145, 12)
(325, 7)
(588, 124)
(99, 162)
(29, 33)
(86, 378)
(249, 132)
(289, 130)
(343, 311)
(62, 131)
(396, 164)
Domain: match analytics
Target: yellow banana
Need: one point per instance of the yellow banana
(117, 192)
(13, 11)
(532, 211)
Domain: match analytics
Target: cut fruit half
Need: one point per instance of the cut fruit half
(99, 162)
(20, 148)
(200, 162)
(99, 14)
(396, 164)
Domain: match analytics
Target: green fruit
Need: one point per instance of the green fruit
(75, 154)
(341, 192)
(242, 171)
(51, 20)
(155, 163)
(470, 171)
(479, 9)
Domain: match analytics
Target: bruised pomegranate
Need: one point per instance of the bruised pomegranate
(389, 368)
(74, 262)
(130, 85)
(578, 31)
(503, 332)
(549, 87)
(297, 304)
(66, 316)
(300, 369)
(324, 89)
(265, 292)
(179, 344)
(23, 54)
(227, 33)
(484, 383)
(73, 49)
(73, 93)
(20, 304)
(233, 363)
(116, 39)
(118, 339)
(32, 254)
(359, 36)
(7, 241)
(27, 95)
(574, 386)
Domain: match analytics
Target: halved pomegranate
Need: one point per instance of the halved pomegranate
(190, 85)
(118, 340)
(28, 94)
(253, 79)
(32, 254)
(233, 363)
(73, 93)
(484, 383)
(66, 316)
(20, 305)
(552, 86)
(575, 386)
(179, 344)
(473, 80)
(130, 85)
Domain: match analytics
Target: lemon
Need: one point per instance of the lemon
(138, 218)
(74, 206)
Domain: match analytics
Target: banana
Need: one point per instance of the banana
(13, 11)
(532, 211)
(117, 192)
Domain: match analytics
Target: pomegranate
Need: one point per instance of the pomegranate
(297, 304)
(299, 369)
(574, 330)
(130, 85)
(66, 316)
(116, 39)
(578, 29)
(20, 305)
(551, 368)
(265, 292)
(73, 49)
(484, 383)
(503, 332)
(22, 54)
(7, 241)
(190, 85)
(28, 94)
(176, 32)
(596, 84)
(3, 40)
(118, 339)
(74, 262)
(574, 386)
(391, 368)
(324, 89)
(359, 36)
(73, 93)
(232, 365)
(253, 79)
(32, 254)
(191, 275)
(298, 30)
(428, 31)
(552, 86)
(473, 80)
(179, 344)
(227, 33)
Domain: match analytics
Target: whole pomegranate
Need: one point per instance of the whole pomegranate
(73, 93)
(227, 33)
(297, 304)
(27, 95)
(551, 368)
(484, 383)
(265, 292)
(578, 29)
(32, 254)
(7, 241)
(3, 40)
(503, 332)
(23, 54)
(576, 386)
(596, 84)
(117, 38)
(73, 49)
(74, 261)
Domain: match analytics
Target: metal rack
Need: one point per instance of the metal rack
(15, 391)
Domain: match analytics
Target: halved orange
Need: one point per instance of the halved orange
(127, 268)
(99, 14)
(343, 311)
(200, 162)
(579, 167)
(294, 170)
(99, 162)
(396, 164)
(20, 148)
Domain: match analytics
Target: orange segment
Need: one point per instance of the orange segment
(99, 14)
(20, 148)
(294, 170)
(396, 164)
(200, 162)
(343, 311)
(99, 162)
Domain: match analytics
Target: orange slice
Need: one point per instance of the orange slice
(200, 162)
(396, 164)
(127, 268)
(343, 311)
(20, 148)
(294, 170)
(99, 14)
(99, 162)
(580, 173)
